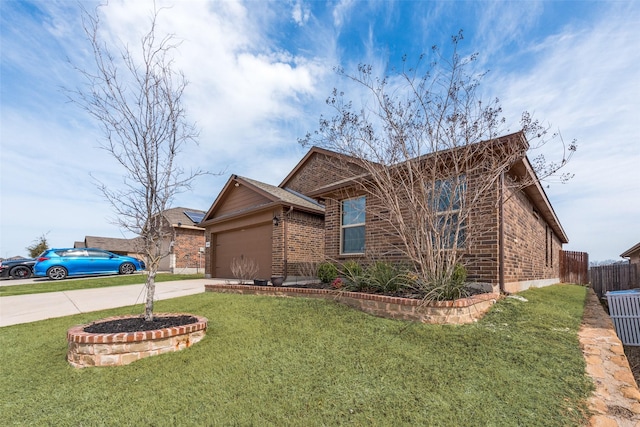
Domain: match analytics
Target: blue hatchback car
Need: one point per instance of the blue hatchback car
(58, 264)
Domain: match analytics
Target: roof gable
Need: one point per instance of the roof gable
(242, 194)
(319, 168)
(629, 252)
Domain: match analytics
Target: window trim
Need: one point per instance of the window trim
(361, 224)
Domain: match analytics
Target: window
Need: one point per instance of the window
(73, 253)
(548, 246)
(352, 226)
(448, 199)
(94, 253)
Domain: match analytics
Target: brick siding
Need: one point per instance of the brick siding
(186, 249)
(305, 243)
(532, 249)
(321, 170)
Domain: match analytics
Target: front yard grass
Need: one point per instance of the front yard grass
(291, 361)
(99, 282)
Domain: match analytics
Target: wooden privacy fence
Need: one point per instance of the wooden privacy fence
(574, 267)
(615, 277)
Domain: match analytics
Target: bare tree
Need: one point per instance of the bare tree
(136, 97)
(428, 150)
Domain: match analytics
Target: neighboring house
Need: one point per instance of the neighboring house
(633, 254)
(186, 247)
(313, 215)
(128, 247)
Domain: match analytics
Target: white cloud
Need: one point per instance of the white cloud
(585, 81)
(340, 12)
(300, 12)
(252, 96)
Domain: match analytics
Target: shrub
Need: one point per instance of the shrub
(448, 287)
(327, 272)
(353, 275)
(244, 269)
(307, 269)
(385, 277)
(459, 275)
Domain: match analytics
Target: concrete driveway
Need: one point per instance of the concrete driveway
(30, 308)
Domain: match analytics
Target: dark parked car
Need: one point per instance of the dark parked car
(57, 264)
(17, 268)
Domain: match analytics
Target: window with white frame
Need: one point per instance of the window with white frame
(448, 200)
(352, 226)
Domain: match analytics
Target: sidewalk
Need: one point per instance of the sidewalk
(30, 308)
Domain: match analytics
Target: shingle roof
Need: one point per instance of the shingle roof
(112, 244)
(285, 195)
(178, 215)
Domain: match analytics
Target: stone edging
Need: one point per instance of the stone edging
(616, 398)
(464, 310)
(93, 349)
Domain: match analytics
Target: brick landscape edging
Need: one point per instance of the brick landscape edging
(93, 349)
(464, 310)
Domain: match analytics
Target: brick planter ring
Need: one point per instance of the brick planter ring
(92, 349)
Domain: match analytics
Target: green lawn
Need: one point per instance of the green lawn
(98, 282)
(301, 362)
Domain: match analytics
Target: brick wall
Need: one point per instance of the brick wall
(277, 245)
(532, 249)
(382, 241)
(186, 251)
(305, 242)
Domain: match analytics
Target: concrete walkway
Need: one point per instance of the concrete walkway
(30, 308)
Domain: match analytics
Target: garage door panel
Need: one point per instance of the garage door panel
(248, 243)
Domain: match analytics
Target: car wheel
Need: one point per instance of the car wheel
(57, 273)
(21, 272)
(127, 268)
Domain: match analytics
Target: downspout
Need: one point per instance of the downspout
(501, 235)
(286, 247)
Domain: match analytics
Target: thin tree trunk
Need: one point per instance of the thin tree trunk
(151, 290)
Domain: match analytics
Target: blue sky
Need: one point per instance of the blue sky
(259, 73)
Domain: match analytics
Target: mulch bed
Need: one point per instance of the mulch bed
(633, 356)
(138, 324)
